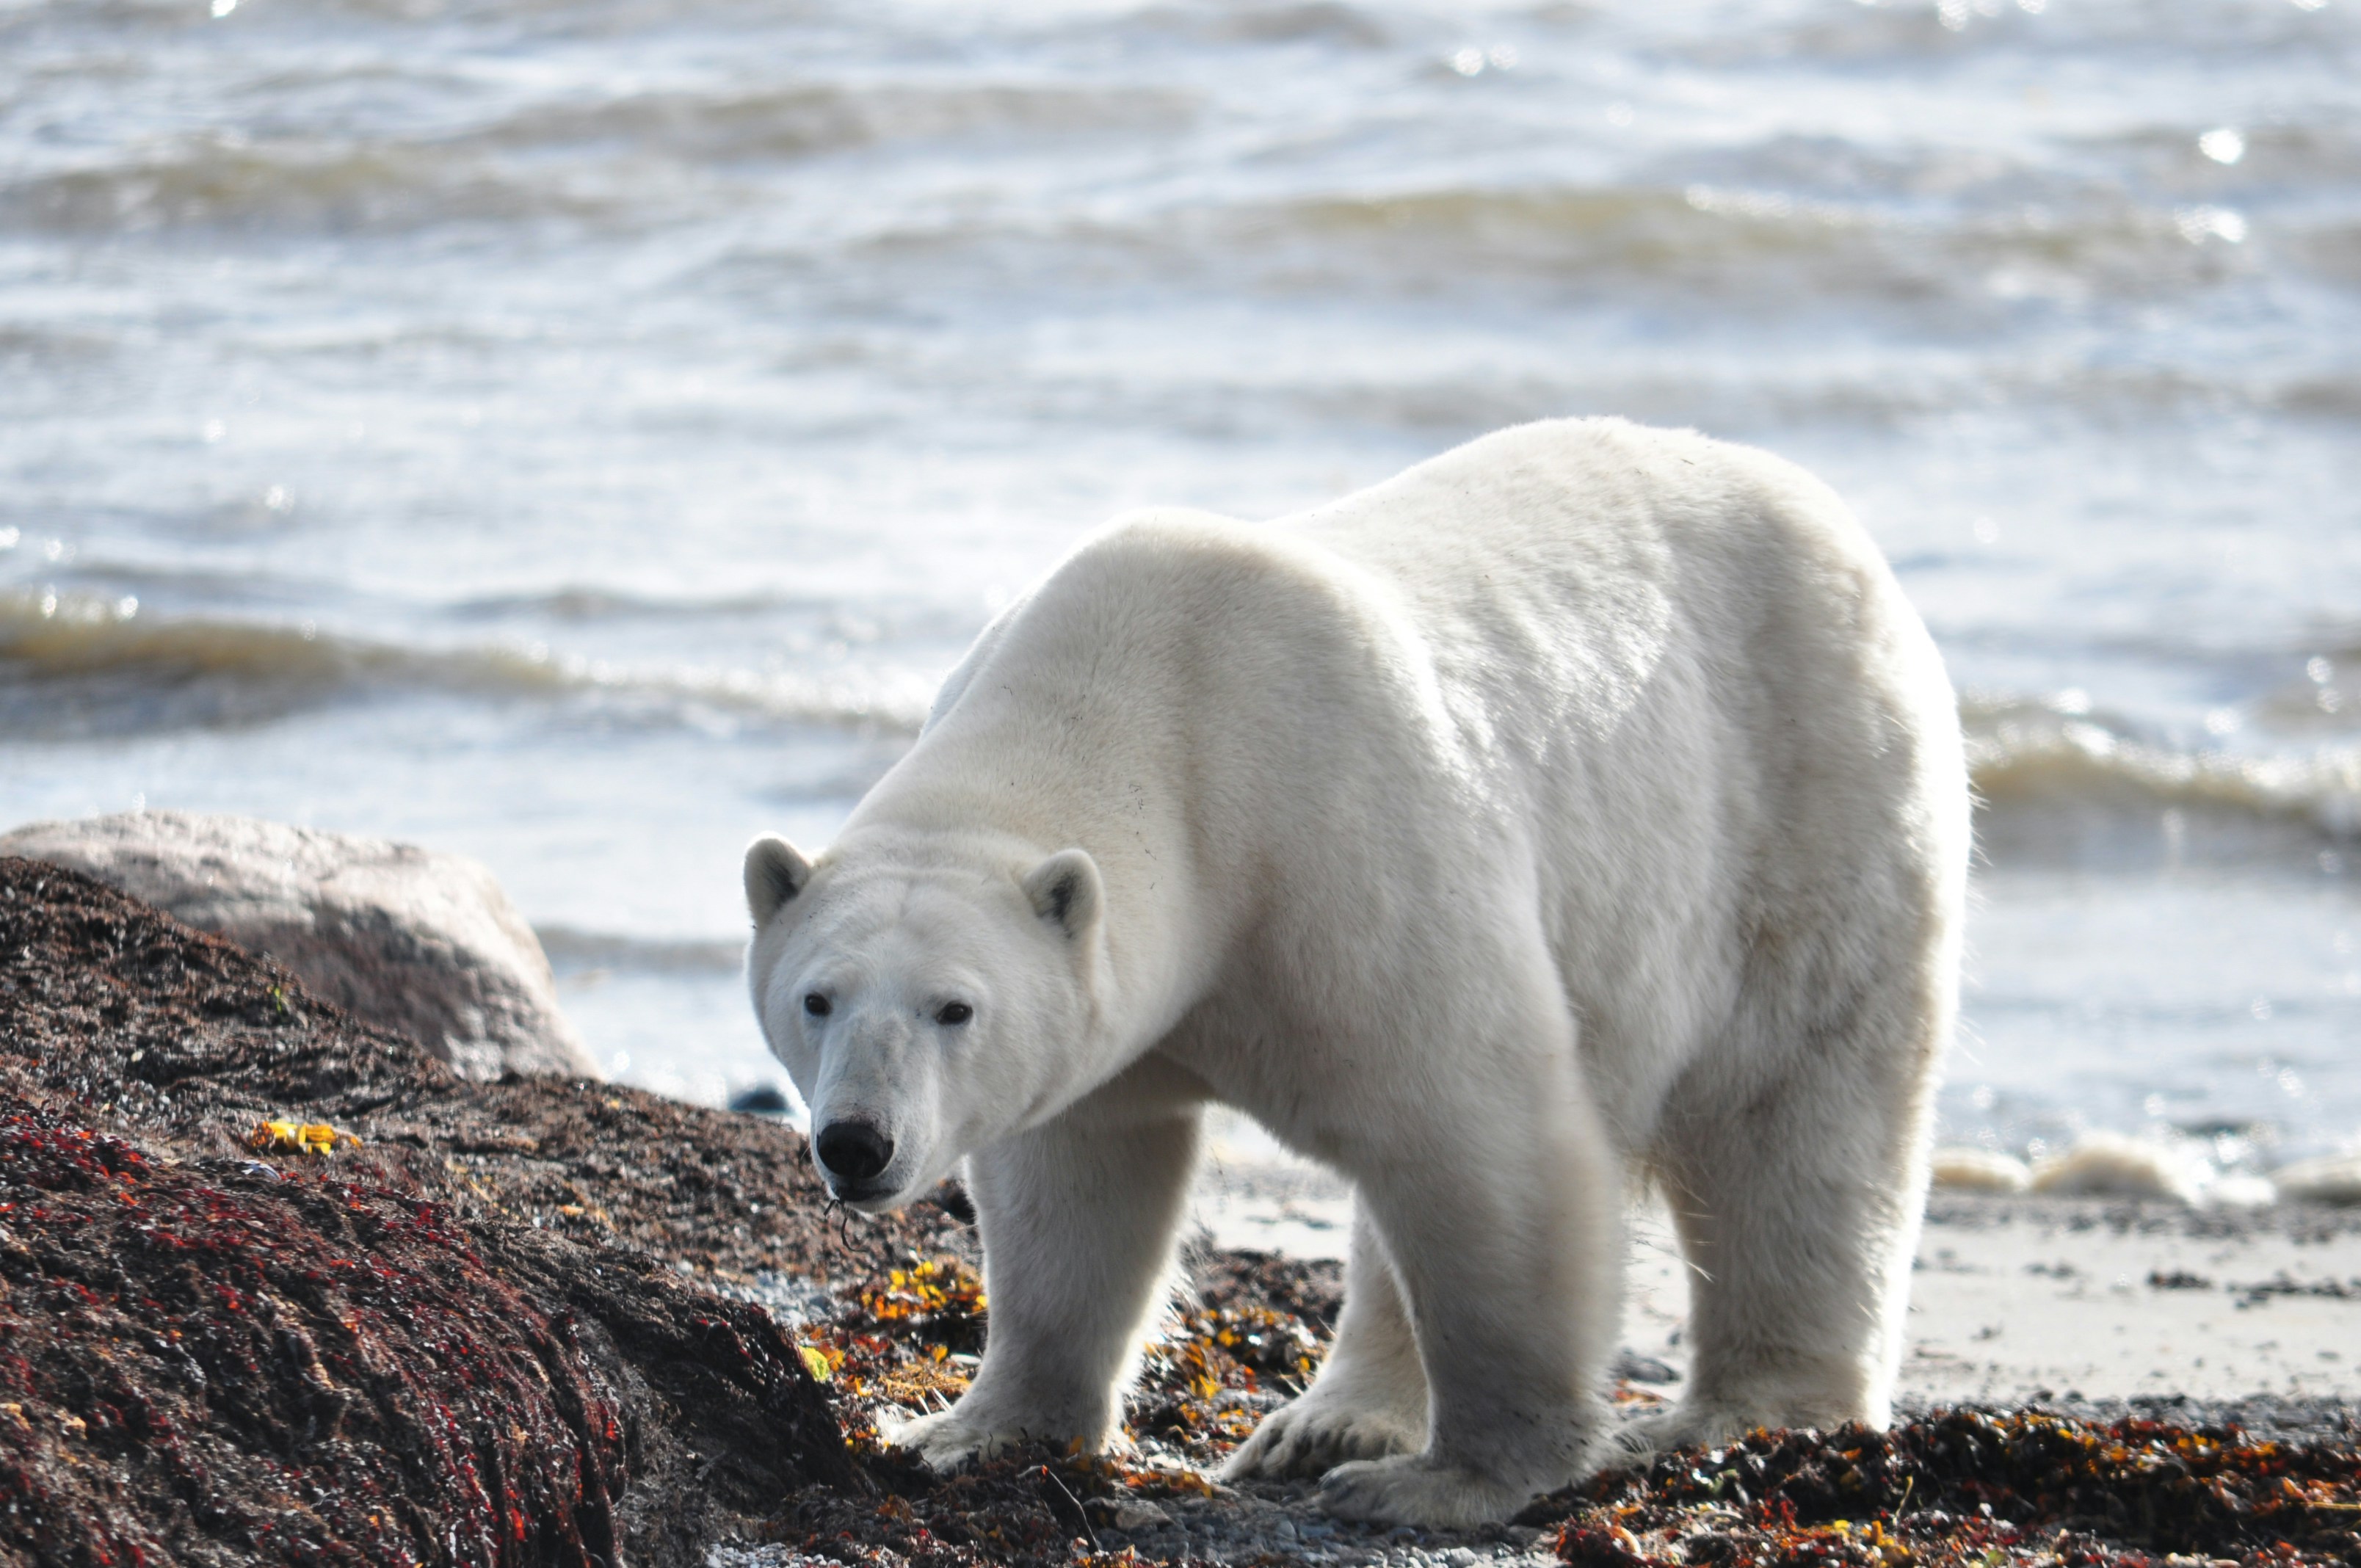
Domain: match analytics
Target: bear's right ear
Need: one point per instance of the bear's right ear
(1064, 891)
(775, 871)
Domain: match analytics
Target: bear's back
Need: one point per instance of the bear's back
(1545, 586)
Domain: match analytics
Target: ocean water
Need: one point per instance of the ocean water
(580, 432)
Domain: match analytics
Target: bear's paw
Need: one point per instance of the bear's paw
(1412, 1489)
(1709, 1423)
(947, 1441)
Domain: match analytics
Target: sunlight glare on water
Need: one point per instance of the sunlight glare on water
(581, 436)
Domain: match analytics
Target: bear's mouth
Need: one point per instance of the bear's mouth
(873, 1196)
(870, 1197)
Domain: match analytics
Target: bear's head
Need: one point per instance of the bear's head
(927, 999)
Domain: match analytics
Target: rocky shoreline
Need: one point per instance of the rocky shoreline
(555, 1320)
(480, 1319)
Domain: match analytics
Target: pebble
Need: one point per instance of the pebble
(791, 1301)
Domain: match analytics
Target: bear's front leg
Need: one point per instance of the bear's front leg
(1078, 1220)
(1369, 1399)
(1506, 1242)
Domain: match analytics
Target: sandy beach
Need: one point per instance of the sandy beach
(2072, 1301)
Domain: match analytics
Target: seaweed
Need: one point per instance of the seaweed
(382, 1354)
(1969, 1487)
(204, 1363)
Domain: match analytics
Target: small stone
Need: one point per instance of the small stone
(1136, 1513)
(1631, 1367)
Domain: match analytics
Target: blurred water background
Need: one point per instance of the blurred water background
(580, 432)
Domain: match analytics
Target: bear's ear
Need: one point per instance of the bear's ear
(1064, 891)
(775, 871)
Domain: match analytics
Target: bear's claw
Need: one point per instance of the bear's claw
(1312, 1436)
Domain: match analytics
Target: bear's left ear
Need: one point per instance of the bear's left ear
(1064, 891)
(775, 871)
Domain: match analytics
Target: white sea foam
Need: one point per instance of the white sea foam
(2112, 1165)
(2334, 1178)
(1965, 1167)
(2023, 754)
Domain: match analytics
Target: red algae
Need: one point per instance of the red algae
(214, 1364)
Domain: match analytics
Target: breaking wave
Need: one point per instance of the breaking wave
(207, 181)
(74, 665)
(819, 117)
(581, 159)
(78, 665)
(2034, 767)
(1725, 239)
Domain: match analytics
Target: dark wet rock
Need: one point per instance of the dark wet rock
(762, 1099)
(422, 943)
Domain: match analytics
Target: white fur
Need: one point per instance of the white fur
(1584, 801)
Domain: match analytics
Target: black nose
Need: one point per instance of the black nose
(854, 1150)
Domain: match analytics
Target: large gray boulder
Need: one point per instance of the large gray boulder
(422, 943)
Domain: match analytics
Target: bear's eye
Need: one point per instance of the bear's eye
(816, 1005)
(953, 1014)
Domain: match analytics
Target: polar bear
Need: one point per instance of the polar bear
(1585, 804)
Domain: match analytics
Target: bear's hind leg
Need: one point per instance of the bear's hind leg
(1798, 1205)
(1078, 1218)
(1370, 1398)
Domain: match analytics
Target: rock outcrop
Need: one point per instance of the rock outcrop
(422, 943)
(488, 1334)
